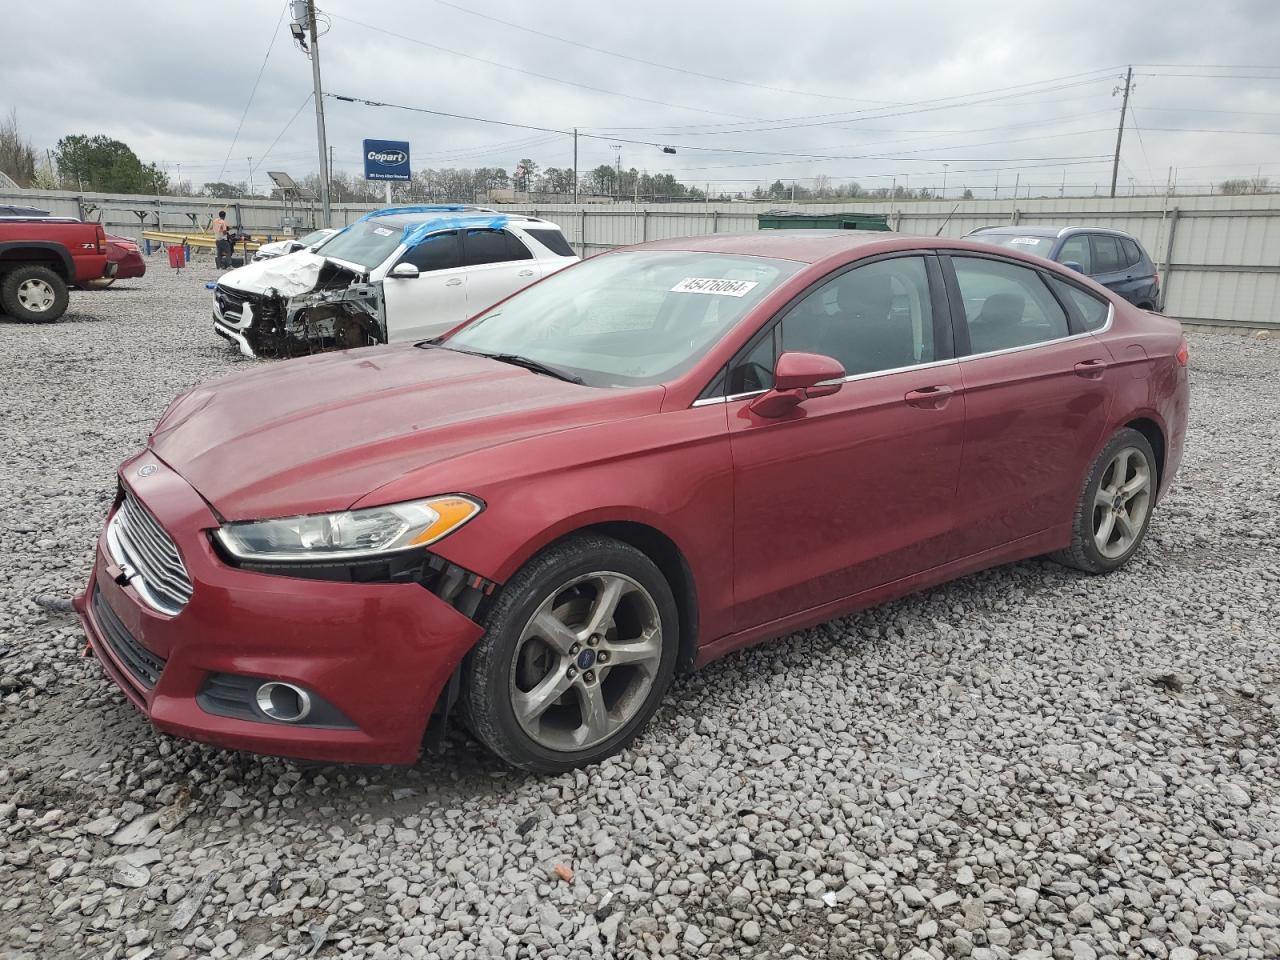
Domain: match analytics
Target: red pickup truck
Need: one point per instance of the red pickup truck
(41, 257)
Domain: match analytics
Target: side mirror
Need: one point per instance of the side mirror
(1072, 265)
(798, 377)
(404, 271)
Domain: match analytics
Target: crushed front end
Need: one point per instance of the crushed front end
(339, 310)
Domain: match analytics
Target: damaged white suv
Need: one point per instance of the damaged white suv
(404, 273)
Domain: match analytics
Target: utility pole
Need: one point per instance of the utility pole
(996, 195)
(1124, 105)
(331, 164)
(575, 164)
(250, 176)
(318, 96)
(944, 181)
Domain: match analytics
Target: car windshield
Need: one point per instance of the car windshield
(366, 243)
(626, 319)
(1040, 246)
(314, 236)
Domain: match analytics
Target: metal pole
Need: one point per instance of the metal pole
(388, 186)
(1124, 104)
(318, 96)
(575, 164)
(1168, 260)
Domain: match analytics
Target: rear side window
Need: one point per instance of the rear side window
(438, 252)
(1107, 257)
(1132, 252)
(553, 240)
(1075, 249)
(1093, 310)
(1006, 305)
(485, 246)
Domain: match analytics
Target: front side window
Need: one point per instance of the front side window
(437, 252)
(871, 318)
(1075, 249)
(627, 319)
(1107, 257)
(1006, 305)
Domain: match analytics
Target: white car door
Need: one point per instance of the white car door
(434, 301)
(497, 264)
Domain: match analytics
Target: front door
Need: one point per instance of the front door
(856, 489)
(1036, 402)
(425, 306)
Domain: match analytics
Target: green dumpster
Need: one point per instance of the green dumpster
(787, 220)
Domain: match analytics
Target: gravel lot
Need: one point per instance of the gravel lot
(1025, 763)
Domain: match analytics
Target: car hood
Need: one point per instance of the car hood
(289, 275)
(318, 433)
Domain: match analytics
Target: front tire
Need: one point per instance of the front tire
(579, 649)
(33, 294)
(1115, 507)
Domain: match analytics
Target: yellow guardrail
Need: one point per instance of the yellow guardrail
(201, 241)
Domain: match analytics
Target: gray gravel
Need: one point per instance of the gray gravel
(1026, 763)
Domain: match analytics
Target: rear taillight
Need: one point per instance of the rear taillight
(1184, 354)
(102, 240)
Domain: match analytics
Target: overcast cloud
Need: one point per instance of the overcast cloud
(172, 80)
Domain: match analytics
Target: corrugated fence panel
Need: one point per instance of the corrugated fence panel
(1225, 257)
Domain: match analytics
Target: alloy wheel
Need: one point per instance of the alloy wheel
(1122, 502)
(586, 661)
(36, 295)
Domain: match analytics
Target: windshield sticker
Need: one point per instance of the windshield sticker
(383, 231)
(721, 288)
(1032, 241)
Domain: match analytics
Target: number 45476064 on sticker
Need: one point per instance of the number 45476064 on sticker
(722, 288)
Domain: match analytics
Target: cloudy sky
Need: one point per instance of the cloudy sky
(746, 92)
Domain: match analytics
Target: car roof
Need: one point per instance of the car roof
(805, 246)
(1039, 230)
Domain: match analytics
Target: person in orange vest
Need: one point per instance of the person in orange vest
(222, 241)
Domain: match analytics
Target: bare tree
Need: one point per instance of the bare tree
(17, 156)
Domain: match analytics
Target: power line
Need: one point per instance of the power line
(244, 113)
(266, 153)
(652, 143)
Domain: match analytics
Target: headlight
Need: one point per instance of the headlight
(350, 534)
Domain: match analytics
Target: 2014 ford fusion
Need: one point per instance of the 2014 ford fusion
(641, 463)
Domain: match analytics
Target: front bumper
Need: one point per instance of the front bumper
(379, 653)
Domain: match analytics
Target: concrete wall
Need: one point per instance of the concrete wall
(1219, 256)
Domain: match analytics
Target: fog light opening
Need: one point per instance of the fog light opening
(283, 701)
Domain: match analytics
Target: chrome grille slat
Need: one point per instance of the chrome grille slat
(149, 557)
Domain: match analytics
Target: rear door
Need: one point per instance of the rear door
(1110, 265)
(856, 489)
(434, 301)
(497, 264)
(1037, 391)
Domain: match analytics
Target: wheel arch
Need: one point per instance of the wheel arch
(41, 253)
(654, 543)
(1154, 432)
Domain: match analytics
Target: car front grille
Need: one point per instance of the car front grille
(231, 302)
(148, 557)
(144, 666)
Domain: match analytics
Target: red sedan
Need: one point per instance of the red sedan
(644, 462)
(124, 253)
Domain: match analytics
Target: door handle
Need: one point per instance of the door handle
(453, 281)
(526, 273)
(929, 398)
(1091, 369)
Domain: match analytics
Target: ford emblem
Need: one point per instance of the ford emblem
(147, 470)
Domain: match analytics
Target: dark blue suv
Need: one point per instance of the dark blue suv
(1114, 259)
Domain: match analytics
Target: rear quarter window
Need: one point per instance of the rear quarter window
(1093, 310)
(553, 240)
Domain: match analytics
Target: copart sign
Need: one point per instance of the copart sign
(386, 160)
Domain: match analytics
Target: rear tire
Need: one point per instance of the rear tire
(579, 649)
(33, 294)
(1115, 507)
